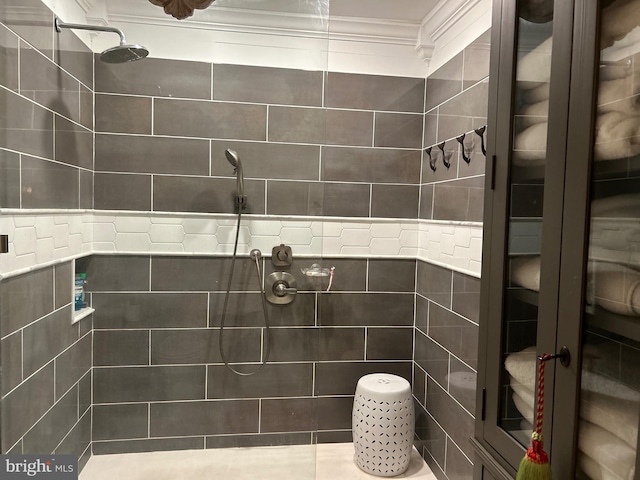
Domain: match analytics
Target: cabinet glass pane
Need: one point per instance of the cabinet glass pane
(528, 158)
(610, 377)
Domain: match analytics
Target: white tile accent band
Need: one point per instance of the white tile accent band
(38, 239)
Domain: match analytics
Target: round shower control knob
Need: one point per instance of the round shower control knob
(280, 288)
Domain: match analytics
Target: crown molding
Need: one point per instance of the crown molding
(85, 5)
(373, 30)
(444, 17)
(278, 23)
(233, 20)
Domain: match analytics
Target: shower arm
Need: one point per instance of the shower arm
(94, 28)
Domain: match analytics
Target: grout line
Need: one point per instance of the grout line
(210, 157)
(240, 140)
(266, 126)
(373, 130)
(153, 103)
(259, 415)
(366, 342)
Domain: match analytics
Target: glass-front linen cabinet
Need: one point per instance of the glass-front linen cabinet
(561, 259)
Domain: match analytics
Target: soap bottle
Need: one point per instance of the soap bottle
(78, 291)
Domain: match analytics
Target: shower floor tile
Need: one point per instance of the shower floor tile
(301, 462)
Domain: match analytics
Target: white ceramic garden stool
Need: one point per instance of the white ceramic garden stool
(383, 424)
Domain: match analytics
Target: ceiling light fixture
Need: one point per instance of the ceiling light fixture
(181, 9)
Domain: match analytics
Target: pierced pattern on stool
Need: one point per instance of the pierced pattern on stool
(383, 434)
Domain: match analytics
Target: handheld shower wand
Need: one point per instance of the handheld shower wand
(241, 198)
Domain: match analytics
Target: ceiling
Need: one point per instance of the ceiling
(405, 10)
(396, 37)
(409, 11)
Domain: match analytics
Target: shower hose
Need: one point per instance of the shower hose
(256, 256)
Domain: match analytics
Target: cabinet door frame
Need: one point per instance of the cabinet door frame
(501, 104)
(575, 238)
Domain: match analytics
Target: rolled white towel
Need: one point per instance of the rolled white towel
(617, 136)
(531, 144)
(525, 271)
(607, 450)
(537, 94)
(628, 105)
(614, 287)
(612, 72)
(612, 126)
(617, 416)
(536, 113)
(535, 66)
(522, 367)
(618, 88)
(617, 206)
(618, 19)
(593, 470)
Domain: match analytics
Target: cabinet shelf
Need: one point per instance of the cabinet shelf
(601, 321)
(598, 320)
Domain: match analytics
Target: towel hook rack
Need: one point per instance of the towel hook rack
(445, 161)
(480, 131)
(460, 139)
(432, 162)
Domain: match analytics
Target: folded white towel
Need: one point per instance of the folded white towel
(614, 287)
(525, 271)
(604, 466)
(607, 450)
(616, 415)
(523, 391)
(524, 407)
(522, 367)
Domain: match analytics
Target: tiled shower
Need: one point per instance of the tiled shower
(335, 166)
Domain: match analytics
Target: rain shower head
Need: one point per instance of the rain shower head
(120, 54)
(232, 157)
(124, 53)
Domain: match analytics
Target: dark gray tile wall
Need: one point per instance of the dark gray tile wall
(46, 360)
(447, 302)
(156, 350)
(155, 141)
(311, 158)
(51, 105)
(457, 98)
